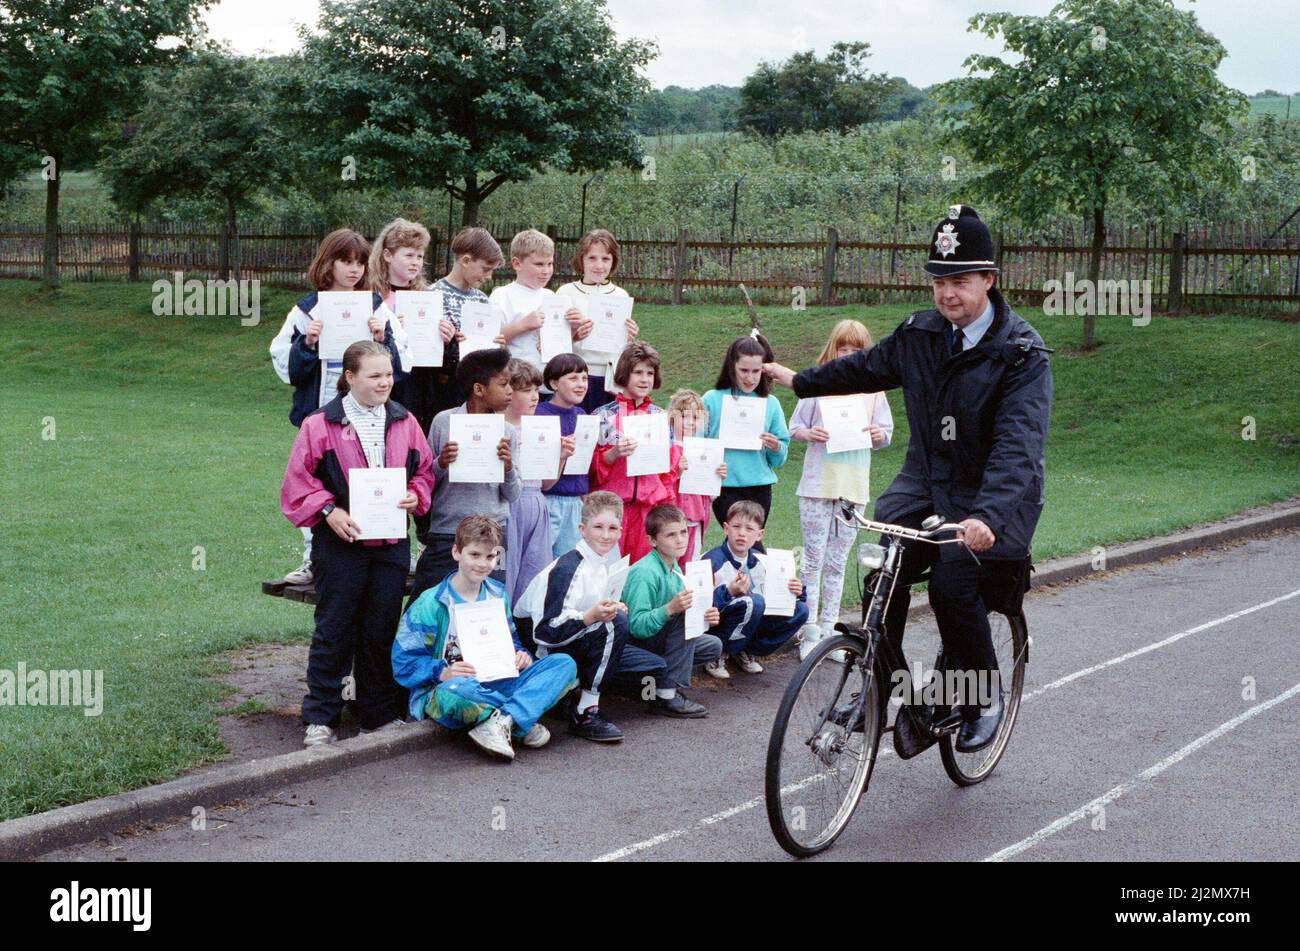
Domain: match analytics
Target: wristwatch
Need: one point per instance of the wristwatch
(326, 509)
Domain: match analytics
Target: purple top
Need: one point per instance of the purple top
(566, 484)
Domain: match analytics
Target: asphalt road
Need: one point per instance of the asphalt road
(1162, 706)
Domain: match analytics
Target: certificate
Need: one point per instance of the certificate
(373, 495)
(616, 578)
(845, 419)
(555, 334)
(741, 426)
(477, 436)
(345, 316)
(703, 456)
(778, 569)
(421, 314)
(484, 638)
(608, 314)
(650, 431)
(539, 447)
(480, 322)
(585, 434)
(699, 581)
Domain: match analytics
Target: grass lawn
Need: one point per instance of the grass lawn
(171, 434)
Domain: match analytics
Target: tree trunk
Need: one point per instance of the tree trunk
(50, 255)
(232, 228)
(1094, 272)
(469, 210)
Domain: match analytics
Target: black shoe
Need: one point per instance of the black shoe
(590, 725)
(978, 731)
(679, 706)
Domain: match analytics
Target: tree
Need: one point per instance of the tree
(68, 67)
(807, 93)
(1108, 98)
(469, 94)
(207, 130)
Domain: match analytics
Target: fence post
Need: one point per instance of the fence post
(828, 267)
(1175, 297)
(133, 252)
(997, 252)
(679, 268)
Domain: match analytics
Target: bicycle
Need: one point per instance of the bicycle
(828, 727)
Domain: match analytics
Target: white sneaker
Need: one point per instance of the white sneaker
(718, 668)
(318, 734)
(391, 724)
(748, 664)
(809, 637)
(300, 575)
(537, 737)
(493, 735)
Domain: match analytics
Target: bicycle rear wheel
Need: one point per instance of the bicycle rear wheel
(1011, 645)
(818, 759)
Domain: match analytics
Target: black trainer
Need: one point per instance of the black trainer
(679, 706)
(590, 725)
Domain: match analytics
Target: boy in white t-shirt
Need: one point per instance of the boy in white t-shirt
(532, 255)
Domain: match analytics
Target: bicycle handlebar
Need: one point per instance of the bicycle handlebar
(898, 531)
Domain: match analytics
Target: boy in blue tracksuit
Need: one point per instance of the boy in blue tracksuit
(427, 658)
(738, 578)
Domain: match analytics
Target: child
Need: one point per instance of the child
(528, 533)
(828, 478)
(751, 473)
(486, 384)
(596, 258)
(358, 584)
(656, 613)
(426, 657)
(637, 373)
(738, 575)
(688, 417)
(568, 613)
(397, 264)
(566, 375)
(475, 255)
(532, 255)
(339, 265)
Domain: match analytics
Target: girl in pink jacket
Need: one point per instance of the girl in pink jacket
(359, 583)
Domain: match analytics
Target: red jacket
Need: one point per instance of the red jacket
(649, 489)
(327, 447)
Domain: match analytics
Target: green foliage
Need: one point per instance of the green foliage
(467, 94)
(805, 92)
(1105, 98)
(221, 108)
(674, 109)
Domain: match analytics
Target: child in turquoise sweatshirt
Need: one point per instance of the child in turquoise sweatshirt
(751, 473)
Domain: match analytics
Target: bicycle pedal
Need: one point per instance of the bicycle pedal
(912, 733)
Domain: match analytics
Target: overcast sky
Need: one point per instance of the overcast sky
(924, 41)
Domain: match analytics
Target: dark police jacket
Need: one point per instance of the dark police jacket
(992, 402)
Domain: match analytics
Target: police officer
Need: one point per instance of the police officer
(978, 391)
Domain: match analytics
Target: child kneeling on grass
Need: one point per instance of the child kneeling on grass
(427, 658)
(657, 602)
(739, 577)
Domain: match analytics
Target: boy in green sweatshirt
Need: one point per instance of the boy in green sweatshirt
(656, 609)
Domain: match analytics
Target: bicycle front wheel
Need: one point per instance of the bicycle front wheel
(1011, 646)
(823, 746)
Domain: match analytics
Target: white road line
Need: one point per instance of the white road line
(757, 800)
(1030, 841)
(1158, 644)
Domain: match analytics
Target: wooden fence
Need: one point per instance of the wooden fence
(1199, 268)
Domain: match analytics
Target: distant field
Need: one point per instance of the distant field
(1281, 106)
